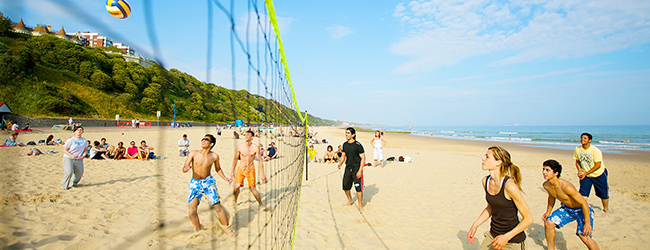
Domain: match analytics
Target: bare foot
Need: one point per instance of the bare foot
(199, 228)
(607, 211)
(349, 203)
(229, 231)
(264, 208)
(360, 209)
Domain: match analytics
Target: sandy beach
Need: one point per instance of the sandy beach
(429, 203)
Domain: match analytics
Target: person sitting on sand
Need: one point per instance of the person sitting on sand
(50, 141)
(201, 162)
(313, 155)
(119, 152)
(330, 156)
(97, 153)
(145, 151)
(132, 152)
(339, 152)
(87, 152)
(103, 144)
(34, 152)
(574, 207)
(27, 128)
(15, 127)
(12, 141)
(273, 152)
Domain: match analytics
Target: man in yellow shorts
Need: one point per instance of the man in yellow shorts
(245, 156)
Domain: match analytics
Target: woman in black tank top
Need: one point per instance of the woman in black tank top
(504, 200)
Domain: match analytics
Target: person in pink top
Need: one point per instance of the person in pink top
(131, 151)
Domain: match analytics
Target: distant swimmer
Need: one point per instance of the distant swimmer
(628, 140)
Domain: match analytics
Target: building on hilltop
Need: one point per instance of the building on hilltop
(125, 48)
(42, 29)
(21, 28)
(97, 40)
(85, 38)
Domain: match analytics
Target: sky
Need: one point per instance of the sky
(428, 63)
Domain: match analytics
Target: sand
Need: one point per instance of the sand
(427, 204)
(432, 202)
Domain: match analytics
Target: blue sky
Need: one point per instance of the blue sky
(426, 62)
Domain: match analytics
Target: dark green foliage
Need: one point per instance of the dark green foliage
(49, 76)
(5, 26)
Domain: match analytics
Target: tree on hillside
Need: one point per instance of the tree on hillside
(6, 29)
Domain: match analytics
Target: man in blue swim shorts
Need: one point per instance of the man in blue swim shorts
(201, 161)
(574, 207)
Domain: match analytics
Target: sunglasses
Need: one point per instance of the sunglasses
(205, 139)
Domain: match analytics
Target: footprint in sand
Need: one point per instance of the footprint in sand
(197, 238)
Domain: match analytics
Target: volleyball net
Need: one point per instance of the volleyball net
(255, 54)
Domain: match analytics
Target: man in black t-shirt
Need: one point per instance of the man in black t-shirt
(355, 158)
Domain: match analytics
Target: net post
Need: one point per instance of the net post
(306, 148)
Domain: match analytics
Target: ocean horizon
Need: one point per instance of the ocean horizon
(609, 138)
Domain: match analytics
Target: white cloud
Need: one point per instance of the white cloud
(337, 31)
(441, 33)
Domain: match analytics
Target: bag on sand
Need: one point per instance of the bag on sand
(392, 158)
(401, 158)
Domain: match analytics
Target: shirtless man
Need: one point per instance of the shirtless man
(144, 151)
(574, 207)
(246, 153)
(201, 161)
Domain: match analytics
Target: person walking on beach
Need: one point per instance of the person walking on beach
(355, 158)
(243, 166)
(73, 158)
(503, 195)
(201, 162)
(591, 170)
(574, 207)
(378, 143)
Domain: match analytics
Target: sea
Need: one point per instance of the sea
(615, 139)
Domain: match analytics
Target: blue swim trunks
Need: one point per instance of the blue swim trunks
(203, 186)
(564, 215)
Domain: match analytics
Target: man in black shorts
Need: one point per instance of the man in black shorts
(354, 158)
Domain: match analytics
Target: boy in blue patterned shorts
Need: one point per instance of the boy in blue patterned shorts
(574, 207)
(201, 161)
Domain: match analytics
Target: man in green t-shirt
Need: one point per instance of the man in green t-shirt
(591, 170)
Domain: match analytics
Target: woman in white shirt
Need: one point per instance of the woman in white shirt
(73, 151)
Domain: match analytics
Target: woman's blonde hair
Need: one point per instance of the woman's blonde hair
(506, 168)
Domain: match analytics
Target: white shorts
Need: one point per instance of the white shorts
(378, 155)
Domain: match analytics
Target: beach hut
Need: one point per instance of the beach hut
(4, 109)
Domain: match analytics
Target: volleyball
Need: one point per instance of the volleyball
(118, 8)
